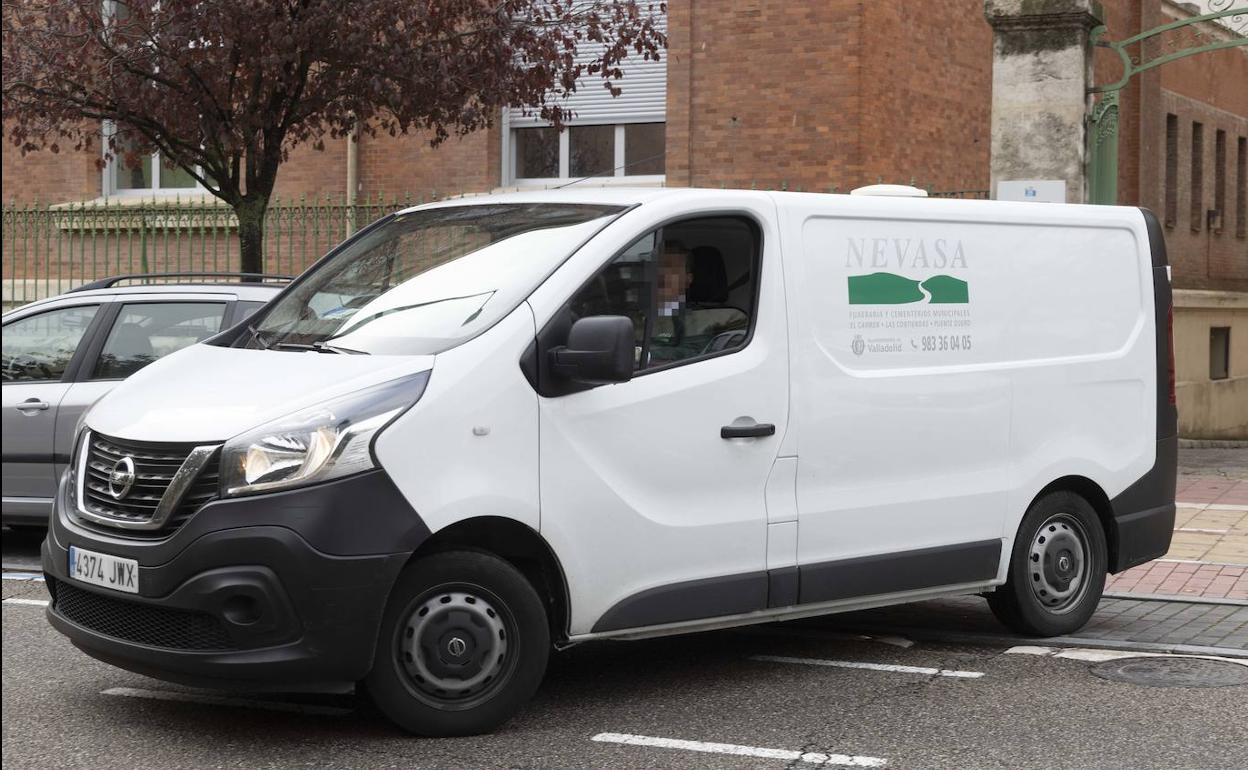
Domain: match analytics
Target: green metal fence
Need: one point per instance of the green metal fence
(49, 250)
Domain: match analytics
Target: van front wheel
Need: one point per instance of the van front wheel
(1057, 568)
(463, 645)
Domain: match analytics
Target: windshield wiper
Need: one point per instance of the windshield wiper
(316, 347)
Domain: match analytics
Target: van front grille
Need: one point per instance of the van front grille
(155, 466)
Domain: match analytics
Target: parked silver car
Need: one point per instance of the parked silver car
(61, 354)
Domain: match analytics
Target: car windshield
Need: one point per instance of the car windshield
(426, 281)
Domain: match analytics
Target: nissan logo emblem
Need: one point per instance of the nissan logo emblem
(121, 478)
(456, 646)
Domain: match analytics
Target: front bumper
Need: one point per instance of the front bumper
(284, 590)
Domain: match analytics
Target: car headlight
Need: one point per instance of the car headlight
(323, 442)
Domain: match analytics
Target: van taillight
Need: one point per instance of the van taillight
(1170, 347)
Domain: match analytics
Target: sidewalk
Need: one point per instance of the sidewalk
(1208, 556)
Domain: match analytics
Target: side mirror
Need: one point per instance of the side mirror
(599, 350)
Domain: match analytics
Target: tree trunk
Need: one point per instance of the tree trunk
(250, 214)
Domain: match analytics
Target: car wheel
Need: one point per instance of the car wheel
(463, 645)
(1057, 568)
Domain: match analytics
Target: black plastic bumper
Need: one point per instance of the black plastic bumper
(1143, 520)
(283, 590)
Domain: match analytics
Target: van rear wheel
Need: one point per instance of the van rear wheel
(1057, 568)
(463, 645)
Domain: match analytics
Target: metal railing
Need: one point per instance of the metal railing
(48, 250)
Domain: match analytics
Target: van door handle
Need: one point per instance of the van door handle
(757, 430)
(33, 405)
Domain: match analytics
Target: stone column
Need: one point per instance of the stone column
(1041, 69)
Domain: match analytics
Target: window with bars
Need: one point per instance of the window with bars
(1172, 170)
(1197, 212)
(1241, 189)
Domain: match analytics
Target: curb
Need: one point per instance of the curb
(1175, 598)
(1209, 443)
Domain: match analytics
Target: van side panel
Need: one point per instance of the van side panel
(951, 359)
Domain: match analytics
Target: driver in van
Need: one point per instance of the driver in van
(693, 315)
(668, 338)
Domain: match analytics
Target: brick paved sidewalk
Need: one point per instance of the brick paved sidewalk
(1182, 579)
(1208, 555)
(1212, 489)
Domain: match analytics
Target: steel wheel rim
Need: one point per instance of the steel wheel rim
(456, 646)
(1058, 563)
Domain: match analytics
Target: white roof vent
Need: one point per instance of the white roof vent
(891, 190)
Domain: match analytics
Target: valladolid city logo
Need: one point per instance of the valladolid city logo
(910, 254)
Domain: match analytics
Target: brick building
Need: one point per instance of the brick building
(820, 95)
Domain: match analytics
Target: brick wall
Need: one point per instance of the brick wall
(926, 93)
(764, 94)
(48, 177)
(813, 95)
(408, 165)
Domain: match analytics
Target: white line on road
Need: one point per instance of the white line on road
(811, 757)
(870, 666)
(36, 576)
(1092, 655)
(32, 602)
(215, 700)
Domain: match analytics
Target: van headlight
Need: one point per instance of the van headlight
(323, 442)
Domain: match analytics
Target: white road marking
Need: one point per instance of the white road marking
(1093, 655)
(870, 666)
(35, 576)
(32, 602)
(810, 757)
(215, 700)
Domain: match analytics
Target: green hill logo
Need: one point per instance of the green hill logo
(893, 289)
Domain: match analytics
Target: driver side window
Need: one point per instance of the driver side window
(38, 348)
(689, 288)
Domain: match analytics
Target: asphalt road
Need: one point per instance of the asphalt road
(61, 710)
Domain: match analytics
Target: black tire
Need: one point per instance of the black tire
(463, 645)
(1041, 596)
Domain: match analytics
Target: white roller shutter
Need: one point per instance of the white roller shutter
(643, 97)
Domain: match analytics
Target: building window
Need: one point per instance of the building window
(1219, 178)
(148, 175)
(1219, 352)
(633, 150)
(1241, 190)
(1172, 170)
(1197, 213)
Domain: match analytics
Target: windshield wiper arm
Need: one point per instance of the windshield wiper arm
(320, 346)
(256, 338)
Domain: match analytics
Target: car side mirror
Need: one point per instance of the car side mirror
(600, 349)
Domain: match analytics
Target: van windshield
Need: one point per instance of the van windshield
(426, 281)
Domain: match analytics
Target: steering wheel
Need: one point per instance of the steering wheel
(724, 340)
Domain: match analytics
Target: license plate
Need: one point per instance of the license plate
(100, 569)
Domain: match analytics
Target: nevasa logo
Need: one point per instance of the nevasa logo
(904, 253)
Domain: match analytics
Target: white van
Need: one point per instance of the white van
(483, 427)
